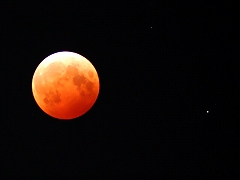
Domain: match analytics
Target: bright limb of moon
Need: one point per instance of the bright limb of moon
(65, 85)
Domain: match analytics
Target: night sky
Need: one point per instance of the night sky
(161, 67)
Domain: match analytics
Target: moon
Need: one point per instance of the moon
(65, 85)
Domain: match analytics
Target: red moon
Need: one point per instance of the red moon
(65, 85)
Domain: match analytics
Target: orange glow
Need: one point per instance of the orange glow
(65, 85)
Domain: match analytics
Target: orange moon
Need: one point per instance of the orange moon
(65, 85)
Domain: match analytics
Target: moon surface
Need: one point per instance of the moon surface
(65, 85)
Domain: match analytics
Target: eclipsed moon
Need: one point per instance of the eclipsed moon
(65, 85)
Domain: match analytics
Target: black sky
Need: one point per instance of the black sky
(161, 66)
